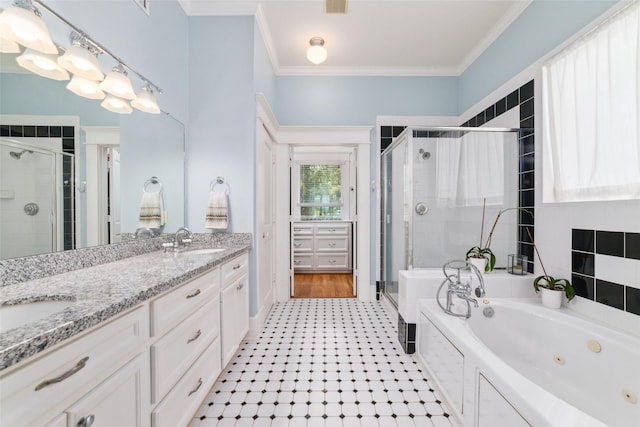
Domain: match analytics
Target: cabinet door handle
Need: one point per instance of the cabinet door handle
(331, 230)
(237, 266)
(86, 421)
(197, 387)
(332, 261)
(297, 229)
(297, 261)
(195, 337)
(297, 245)
(240, 286)
(332, 245)
(195, 294)
(81, 364)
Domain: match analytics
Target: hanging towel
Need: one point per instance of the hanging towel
(151, 210)
(217, 211)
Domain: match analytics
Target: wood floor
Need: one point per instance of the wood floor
(323, 285)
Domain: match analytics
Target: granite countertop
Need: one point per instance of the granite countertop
(98, 293)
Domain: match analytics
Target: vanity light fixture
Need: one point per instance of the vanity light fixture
(146, 100)
(7, 45)
(81, 59)
(116, 105)
(24, 25)
(118, 84)
(316, 53)
(42, 64)
(85, 87)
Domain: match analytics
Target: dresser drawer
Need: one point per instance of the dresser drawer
(55, 380)
(332, 229)
(331, 261)
(303, 230)
(303, 244)
(331, 244)
(174, 306)
(179, 406)
(172, 355)
(234, 268)
(302, 261)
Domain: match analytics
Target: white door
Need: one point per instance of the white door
(113, 195)
(265, 219)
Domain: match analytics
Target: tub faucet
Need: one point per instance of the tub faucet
(459, 288)
(179, 240)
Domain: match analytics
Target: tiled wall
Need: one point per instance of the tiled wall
(605, 267)
(67, 134)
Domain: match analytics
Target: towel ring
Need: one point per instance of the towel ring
(219, 181)
(152, 181)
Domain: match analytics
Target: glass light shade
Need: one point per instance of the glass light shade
(118, 84)
(317, 54)
(28, 29)
(146, 101)
(81, 62)
(8, 46)
(42, 64)
(116, 105)
(85, 87)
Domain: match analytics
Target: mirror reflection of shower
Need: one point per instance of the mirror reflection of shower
(17, 156)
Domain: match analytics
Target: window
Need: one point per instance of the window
(591, 110)
(321, 186)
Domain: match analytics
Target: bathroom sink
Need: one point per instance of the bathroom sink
(13, 316)
(207, 251)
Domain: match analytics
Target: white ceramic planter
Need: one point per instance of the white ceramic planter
(479, 263)
(551, 298)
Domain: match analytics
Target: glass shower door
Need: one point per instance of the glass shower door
(27, 208)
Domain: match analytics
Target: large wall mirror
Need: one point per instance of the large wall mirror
(72, 174)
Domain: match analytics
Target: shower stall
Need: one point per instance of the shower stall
(435, 184)
(33, 197)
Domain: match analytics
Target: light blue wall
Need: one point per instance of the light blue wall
(265, 78)
(356, 101)
(538, 30)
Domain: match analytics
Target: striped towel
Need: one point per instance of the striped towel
(151, 210)
(217, 211)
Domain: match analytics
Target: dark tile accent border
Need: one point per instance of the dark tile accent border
(585, 244)
(407, 335)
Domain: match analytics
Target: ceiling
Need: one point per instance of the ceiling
(374, 37)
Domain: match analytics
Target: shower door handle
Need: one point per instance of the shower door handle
(421, 208)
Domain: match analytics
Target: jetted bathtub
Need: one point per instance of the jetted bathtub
(517, 363)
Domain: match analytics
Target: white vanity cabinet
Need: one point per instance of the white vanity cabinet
(60, 383)
(322, 247)
(234, 300)
(185, 348)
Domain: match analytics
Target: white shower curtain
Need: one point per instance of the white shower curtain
(591, 114)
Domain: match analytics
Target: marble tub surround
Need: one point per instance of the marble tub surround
(103, 291)
(17, 270)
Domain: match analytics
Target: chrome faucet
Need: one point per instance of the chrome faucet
(459, 288)
(180, 241)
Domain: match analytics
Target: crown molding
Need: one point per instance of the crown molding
(320, 70)
(219, 8)
(324, 135)
(263, 27)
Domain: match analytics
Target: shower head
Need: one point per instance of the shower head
(18, 155)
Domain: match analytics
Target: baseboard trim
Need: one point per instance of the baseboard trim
(257, 322)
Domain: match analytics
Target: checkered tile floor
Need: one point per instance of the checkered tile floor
(324, 363)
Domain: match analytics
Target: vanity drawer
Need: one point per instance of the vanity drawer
(172, 355)
(301, 261)
(58, 378)
(179, 406)
(303, 230)
(332, 261)
(332, 229)
(235, 268)
(174, 306)
(303, 244)
(330, 244)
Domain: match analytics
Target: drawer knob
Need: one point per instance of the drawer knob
(297, 261)
(332, 261)
(333, 245)
(240, 286)
(237, 266)
(195, 337)
(297, 245)
(81, 364)
(197, 387)
(195, 294)
(86, 421)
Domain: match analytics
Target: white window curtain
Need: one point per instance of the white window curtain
(591, 114)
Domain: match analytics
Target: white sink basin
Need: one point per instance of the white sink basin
(208, 251)
(13, 316)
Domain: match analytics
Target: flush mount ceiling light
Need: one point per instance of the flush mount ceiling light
(42, 64)
(24, 26)
(86, 88)
(146, 100)
(116, 105)
(316, 53)
(118, 84)
(81, 59)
